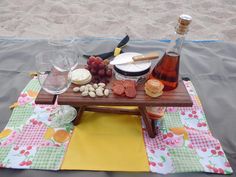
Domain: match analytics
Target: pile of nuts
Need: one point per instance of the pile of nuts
(92, 90)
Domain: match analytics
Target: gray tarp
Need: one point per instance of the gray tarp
(211, 66)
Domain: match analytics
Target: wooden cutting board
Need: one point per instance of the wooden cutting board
(178, 97)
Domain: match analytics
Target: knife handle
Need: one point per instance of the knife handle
(149, 56)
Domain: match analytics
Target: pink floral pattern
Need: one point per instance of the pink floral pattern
(20, 157)
(24, 99)
(22, 147)
(171, 109)
(213, 160)
(186, 136)
(42, 113)
(173, 141)
(194, 119)
(160, 161)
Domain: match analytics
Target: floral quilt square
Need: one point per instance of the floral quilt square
(214, 160)
(20, 157)
(160, 161)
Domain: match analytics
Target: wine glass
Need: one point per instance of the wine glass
(54, 76)
(70, 58)
(58, 43)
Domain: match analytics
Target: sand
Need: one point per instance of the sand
(141, 19)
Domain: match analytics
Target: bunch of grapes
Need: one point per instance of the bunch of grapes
(99, 70)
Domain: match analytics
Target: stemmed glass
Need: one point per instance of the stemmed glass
(54, 76)
(67, 46)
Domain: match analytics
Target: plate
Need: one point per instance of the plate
(132, 67)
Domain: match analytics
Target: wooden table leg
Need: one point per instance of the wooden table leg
(150, 124)
(80, 111)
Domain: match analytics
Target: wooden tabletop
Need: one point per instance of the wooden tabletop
(178, 97)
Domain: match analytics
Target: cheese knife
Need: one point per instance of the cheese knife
(137, 58)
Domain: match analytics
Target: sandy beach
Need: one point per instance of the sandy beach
(141, 19)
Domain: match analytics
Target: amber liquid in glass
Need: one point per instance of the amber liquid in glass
(167, 70)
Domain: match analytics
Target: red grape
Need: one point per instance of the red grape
(91, 59)
(96, 77)
(101, 72)
(94, 65)
(99, 59)
(101, 66)
(109, 72)
(99, 69)
(93, 71)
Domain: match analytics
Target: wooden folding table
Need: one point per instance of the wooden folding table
(178, 97)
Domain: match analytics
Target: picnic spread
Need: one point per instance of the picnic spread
(101, 139)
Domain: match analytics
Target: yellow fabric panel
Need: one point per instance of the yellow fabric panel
(108, 142)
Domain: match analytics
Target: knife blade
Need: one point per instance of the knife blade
(149, 56)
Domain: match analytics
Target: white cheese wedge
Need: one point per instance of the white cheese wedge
(81, 76)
